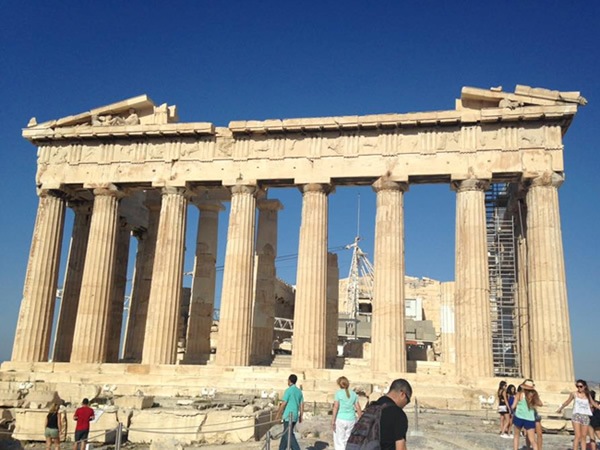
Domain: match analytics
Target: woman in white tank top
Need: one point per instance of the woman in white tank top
(582, 412)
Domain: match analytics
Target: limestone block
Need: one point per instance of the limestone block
(29, 424)
(103, 429)
(553, 425)
(149, 425)
(134, 402)
(434, 402)
(10, 399)
(41, 399)
(73, 393)
(227, 427)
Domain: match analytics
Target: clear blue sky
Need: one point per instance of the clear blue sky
(222, 61)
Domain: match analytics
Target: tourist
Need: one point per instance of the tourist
(595, 420)
(524, 419)
(346, 409)
(52, 431)
(394, 423)
(509, 398)
(291, 409)
(582, 413)
(83, 415)
(503, 409)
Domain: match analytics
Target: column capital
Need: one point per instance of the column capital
(208, 205)
(547, 179)
(317, 187)
(44, 192)
(173, 190)
(385, 184)
(107, 190)
(269, 205)
(251, 189)
(470, 184)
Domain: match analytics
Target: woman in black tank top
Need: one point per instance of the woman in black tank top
(52, 431)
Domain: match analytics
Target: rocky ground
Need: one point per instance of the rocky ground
(434, 430)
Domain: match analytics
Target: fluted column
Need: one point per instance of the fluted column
(234, 345)
(34, 327)
(551, 351)
(160, 341)
(117, 302)
(333, 297)
(522, 304)
(67, 316)
(142, 279)
(264, 281)
(310, 309)
(91, 328)
(388, 348)
(472, 298)
(203, 285)
(448, 325)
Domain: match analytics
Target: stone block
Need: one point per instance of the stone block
(10, 399)
(30, 424)
(74, 393)
(41, 399)
(149, 425)
(134, 402)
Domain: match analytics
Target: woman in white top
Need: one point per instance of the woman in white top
(346, 409)
(582, 412)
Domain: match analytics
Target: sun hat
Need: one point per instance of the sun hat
(528, 384)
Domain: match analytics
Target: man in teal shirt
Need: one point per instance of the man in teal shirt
(291, 407)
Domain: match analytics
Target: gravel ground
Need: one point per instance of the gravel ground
(436, 430)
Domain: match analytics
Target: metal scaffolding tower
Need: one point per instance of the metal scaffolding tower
(503, 282)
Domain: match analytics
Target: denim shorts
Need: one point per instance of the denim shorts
(522, 423)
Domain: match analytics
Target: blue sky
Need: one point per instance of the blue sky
(223, 61)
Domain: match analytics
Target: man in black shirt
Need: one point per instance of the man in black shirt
(394, 422)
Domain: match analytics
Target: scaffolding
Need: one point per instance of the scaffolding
(503, 282)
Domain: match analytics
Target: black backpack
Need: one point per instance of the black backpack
(366, 432)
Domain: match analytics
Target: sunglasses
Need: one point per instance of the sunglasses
(579, 385)
(407, 397)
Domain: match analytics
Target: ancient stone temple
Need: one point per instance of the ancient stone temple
(132, 169)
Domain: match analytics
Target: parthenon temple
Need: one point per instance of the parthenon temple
(131, 170)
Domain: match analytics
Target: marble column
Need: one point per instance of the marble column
(234, 344)
(67, 316)
(117, 301)
(142, 279)
(264, 281)
(90, 338)
(333, 297)
(551, 350)
(310, 310)
(388, 348)
(160, 341)
(472, 291)
(34, 326)
(203, 285)
(448, 325)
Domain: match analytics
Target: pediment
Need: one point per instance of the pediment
(476, 98)
(140, 110)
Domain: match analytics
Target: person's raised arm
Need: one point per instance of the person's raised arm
(565, 404)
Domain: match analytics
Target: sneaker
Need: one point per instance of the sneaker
(505, 436)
